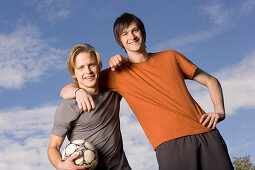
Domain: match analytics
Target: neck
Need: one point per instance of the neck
(91, 90)
(136, 57)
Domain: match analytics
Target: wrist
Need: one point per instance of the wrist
(222, 116)
(77, 91)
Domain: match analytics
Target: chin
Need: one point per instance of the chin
(88, 84)
(91, 85)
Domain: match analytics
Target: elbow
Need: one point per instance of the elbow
(49, 152)
(216, 81)
(213, 81)
(62, 93)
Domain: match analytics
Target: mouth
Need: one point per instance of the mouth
(90, 77)
(133, 42)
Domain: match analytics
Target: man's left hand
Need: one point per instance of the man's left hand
(210, 120)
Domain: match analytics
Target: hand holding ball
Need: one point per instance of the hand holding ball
(88, 154)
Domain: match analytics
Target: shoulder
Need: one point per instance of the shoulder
(108, 74)
(67, 108)
(109, 93)
(106, 91)
(68, 103)
(105, 71)
(176, 55)
(165, 53)
(163, 56)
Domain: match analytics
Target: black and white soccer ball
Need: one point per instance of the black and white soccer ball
(88, 154)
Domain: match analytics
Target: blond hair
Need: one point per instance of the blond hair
(77, 50)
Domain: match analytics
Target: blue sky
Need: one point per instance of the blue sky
(36, 36)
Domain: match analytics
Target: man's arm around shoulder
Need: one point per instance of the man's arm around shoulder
(84, 99)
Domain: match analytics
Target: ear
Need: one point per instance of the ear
(73, 76)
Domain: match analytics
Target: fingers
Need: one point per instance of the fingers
(209, 120)
(214, 124)
(119, 59)
(115, 62)
(74, 156)
(85, 101)
(93, 106)
(86, 167)
(203, 117)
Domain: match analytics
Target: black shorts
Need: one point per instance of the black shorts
(205, 151)
(119, 163)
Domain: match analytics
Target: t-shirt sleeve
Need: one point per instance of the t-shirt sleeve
(187, 67)
(108, 79)
(63, 118)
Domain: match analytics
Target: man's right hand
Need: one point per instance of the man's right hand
(85, 100)
(116, 61)
(69, 164)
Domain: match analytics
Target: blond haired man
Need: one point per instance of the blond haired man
(101, 126)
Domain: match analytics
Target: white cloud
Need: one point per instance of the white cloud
(221, 17)
(24, 136)
(25, 57)
(184, 41)
(238, 86)
(247, 7)
(217, 13)
(54, 10)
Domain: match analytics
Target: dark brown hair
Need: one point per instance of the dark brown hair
(123, 22)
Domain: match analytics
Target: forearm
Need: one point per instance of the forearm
(54, 156)
(216, 94)
(68, 92)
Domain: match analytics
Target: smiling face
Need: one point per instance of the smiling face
(132, 39)
(87, 71)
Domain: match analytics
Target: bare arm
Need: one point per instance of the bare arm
(55, 156)
(53, 150)
(84, 99)
(68, 92)
(211, 119)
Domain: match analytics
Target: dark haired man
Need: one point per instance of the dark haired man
(182, 134)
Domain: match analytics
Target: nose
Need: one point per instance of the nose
(87, 70)
(132, 36)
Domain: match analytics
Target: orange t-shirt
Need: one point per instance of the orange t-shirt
(157, 94)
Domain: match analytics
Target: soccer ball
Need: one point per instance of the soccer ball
(88, 154)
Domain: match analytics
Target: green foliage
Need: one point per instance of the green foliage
(243, 163)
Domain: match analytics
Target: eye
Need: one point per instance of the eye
(124, 34)
(136, 30)
(80, 67)
(92, 65)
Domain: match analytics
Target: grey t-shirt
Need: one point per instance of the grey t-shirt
(101, 127)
